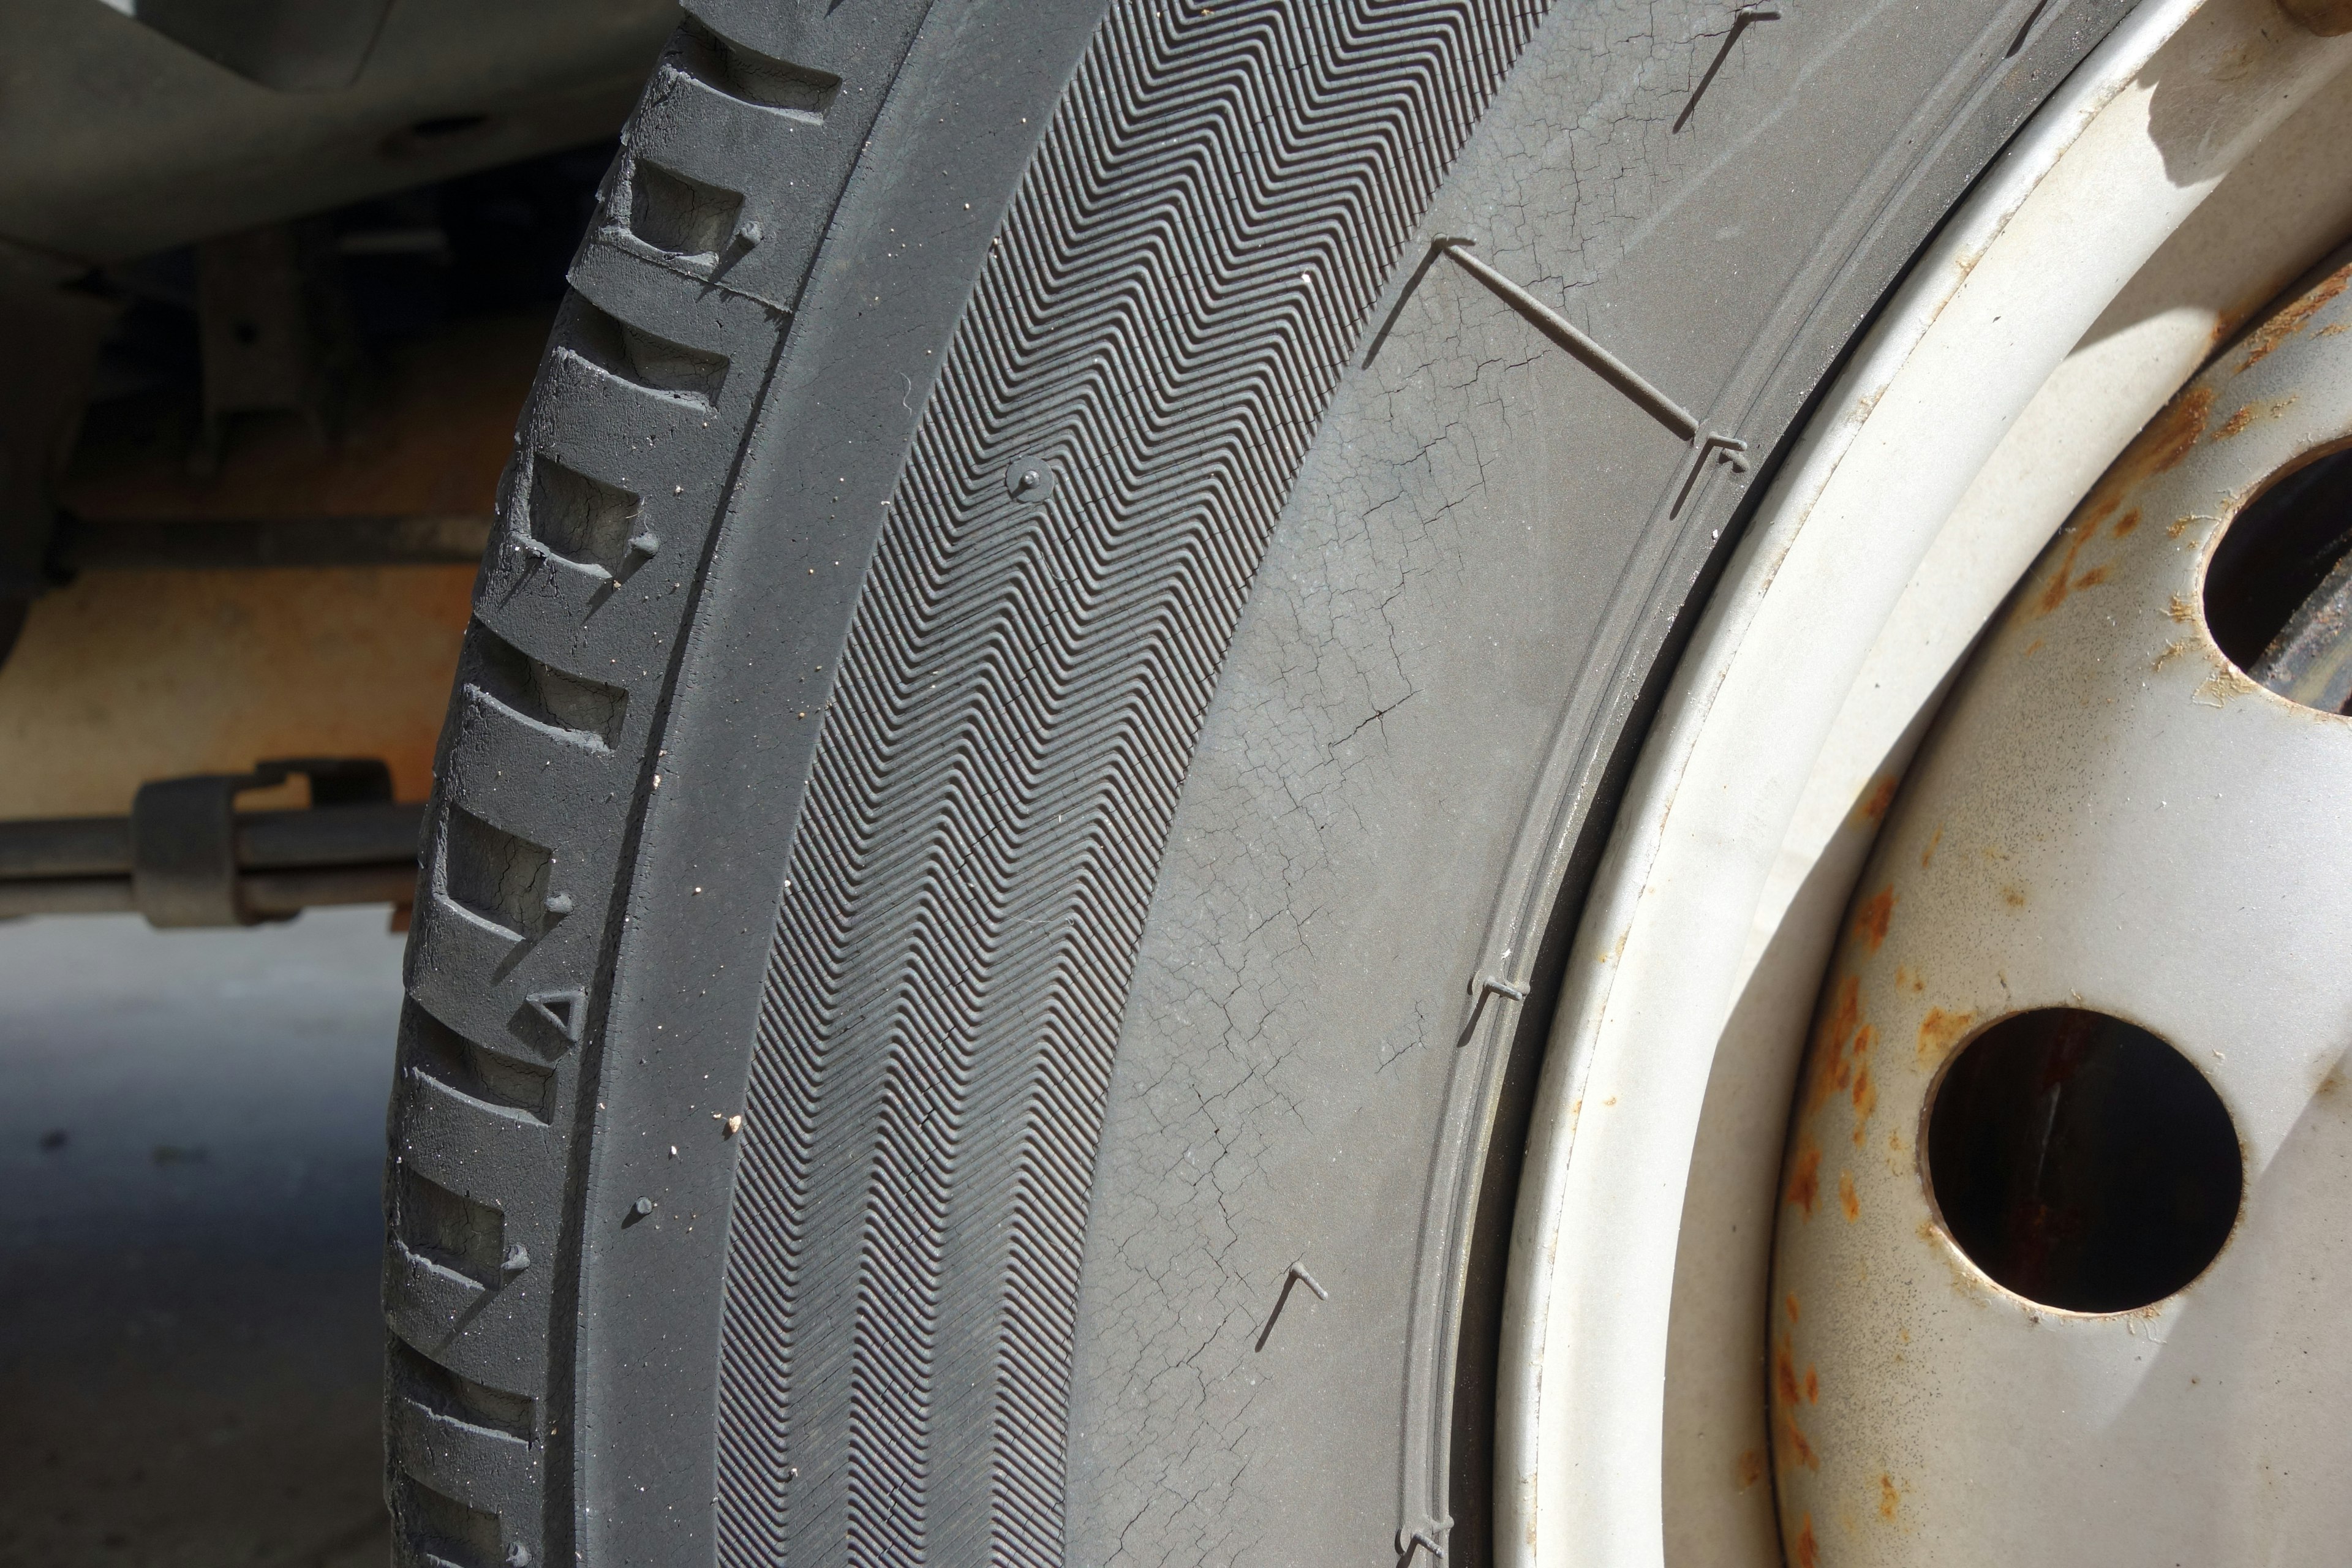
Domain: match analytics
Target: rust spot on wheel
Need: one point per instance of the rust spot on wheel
(1873, 805)
(1849, 1200)
(1809, 1551)
(1805, 1177)
(1794, 1446)
(2285, 323)
(2126, 523)
(1888, 1499)
(2173, 432)
(1832, 1072)
(2237, 423)
(1939, 1031)
(2053, 592)
(1870, 924)
(1749, 1469)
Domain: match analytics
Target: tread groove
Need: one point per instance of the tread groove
(540, 694)
(497, 878)
(500, 1083)
(639, 357)
(742, 72)
(444, 1227)
(426, 1384)
(437, 1528)
(680, 217)
(586, 522)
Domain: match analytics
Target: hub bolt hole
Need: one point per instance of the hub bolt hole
(2081, 1161)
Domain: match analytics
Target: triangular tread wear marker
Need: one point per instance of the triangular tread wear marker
(567, 1010)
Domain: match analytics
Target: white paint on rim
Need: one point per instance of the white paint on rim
(1999, 384)
(2101, 757)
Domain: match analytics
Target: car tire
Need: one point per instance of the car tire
(1075, 592)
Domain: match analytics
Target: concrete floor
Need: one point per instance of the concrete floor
(191, 1147)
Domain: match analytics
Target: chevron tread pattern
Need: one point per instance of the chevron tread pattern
(1192, 256)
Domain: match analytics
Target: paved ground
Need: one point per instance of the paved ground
(191, 1137)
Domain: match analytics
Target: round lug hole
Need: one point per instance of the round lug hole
(2081, 1162)
(2278, 595)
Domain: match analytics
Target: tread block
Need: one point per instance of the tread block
(426, 1301)
(441, 1226)
(493, 759)
(643, 358)
(493, 1337)
(653, 447)
(539, 601)
(493, 875)
(432, 1527)
(423, 1382)
(490, 1157)
(625, 283)
(459, 971)
(822, 36)
(782, 169)
(540, 694)
(468, 1464)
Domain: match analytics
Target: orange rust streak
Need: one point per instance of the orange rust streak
(2055, 593)
(1812, 1386)
(1849, 1200)
(2172, 432)
(1939, 1030)
(1805, 1182)
(1870, 924)
(2291, 319)
(2126, 523)
(1749, 1469)
(1928, 854)
(1865, 1100)
(1784, 1371)
(1887, 1499)
(2166, 440)
(1809, 1551)
(1790, 1301)
(1830, 1073)
(1792, 1439)
(1882, 795)
(2235, 422)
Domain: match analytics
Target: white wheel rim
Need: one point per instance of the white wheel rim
(2074, 293)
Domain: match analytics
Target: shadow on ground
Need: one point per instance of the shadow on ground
(191, 1149)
